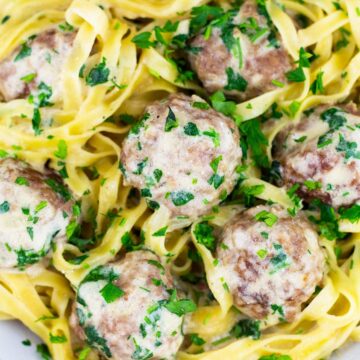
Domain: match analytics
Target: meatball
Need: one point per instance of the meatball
(125, 310)
(272, 262)
(321, 153)
(36, 66)
(183, 154)
(249, 54)
(32, 214)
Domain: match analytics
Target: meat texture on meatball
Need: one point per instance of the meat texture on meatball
(32, 214)
(242, 56)
(272, 262)
(321, 153)
(183, 154)
(36, 66)
(124, 309)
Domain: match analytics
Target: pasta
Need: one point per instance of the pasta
(88, 119)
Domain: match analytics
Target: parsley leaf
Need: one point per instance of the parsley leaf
(348, 147)
(235, 81)
(267, 217)
(204, 234)
(24, 52)
(180, 198)
(296, 75)
(179, 307)
(191, 129)
(111, 292)
(254, 139)
(246, 327)
(317, 86)
(334, 117)
(61, 152)
(142, 40)
(352, 214)
(99, 74)
(219, 103)
(171, 121)
(94, 339)
(4, 207)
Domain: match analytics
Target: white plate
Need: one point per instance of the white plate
(12, 333)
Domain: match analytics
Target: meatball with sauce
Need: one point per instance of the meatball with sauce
(321, 153)
(272, 262)
(32, 214)
(36, 66)
(129, 309)
(241, 58)
(182, 154)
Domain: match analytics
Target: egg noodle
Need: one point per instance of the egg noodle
(40, 297)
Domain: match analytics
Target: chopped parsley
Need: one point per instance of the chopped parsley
(160, 232)
(179, 307)
(111, 292)
(352, 213)
(267, 217)
(200, 105)
(4, 207)
(191, 129)
(349, 148)
(317, 87)
(296, 75)
(246, 327)
(43, 351)
(171, 121)
(214, 135)
(99, 74)
(180, 198)
(204, 234)
(275, 357)
(196, 340)
(235, 81)
(219, 103)
(20, 180)
(57, 339)
(61, 152)
(24, 52)
(94, 339)
(143, 41)
(327, 223)
(254, 139)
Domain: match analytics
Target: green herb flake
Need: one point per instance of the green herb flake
(267, 217)
(245, 328)
(296, 75)
(20, 180)
(99, 74)
(171, 121)
(62, 150)
(4, 207)
(143, 41)
(235, 81)
(24, 52)
(111, 293)
(180, 198)
(55, 339)
(191, 129)
(161, 232)
(204, 235)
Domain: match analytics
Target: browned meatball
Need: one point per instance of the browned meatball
(36, 65)
(183, 154)
(272, 262)
(322, 154)
(125, 310)
(32, 213)
(245, 64)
